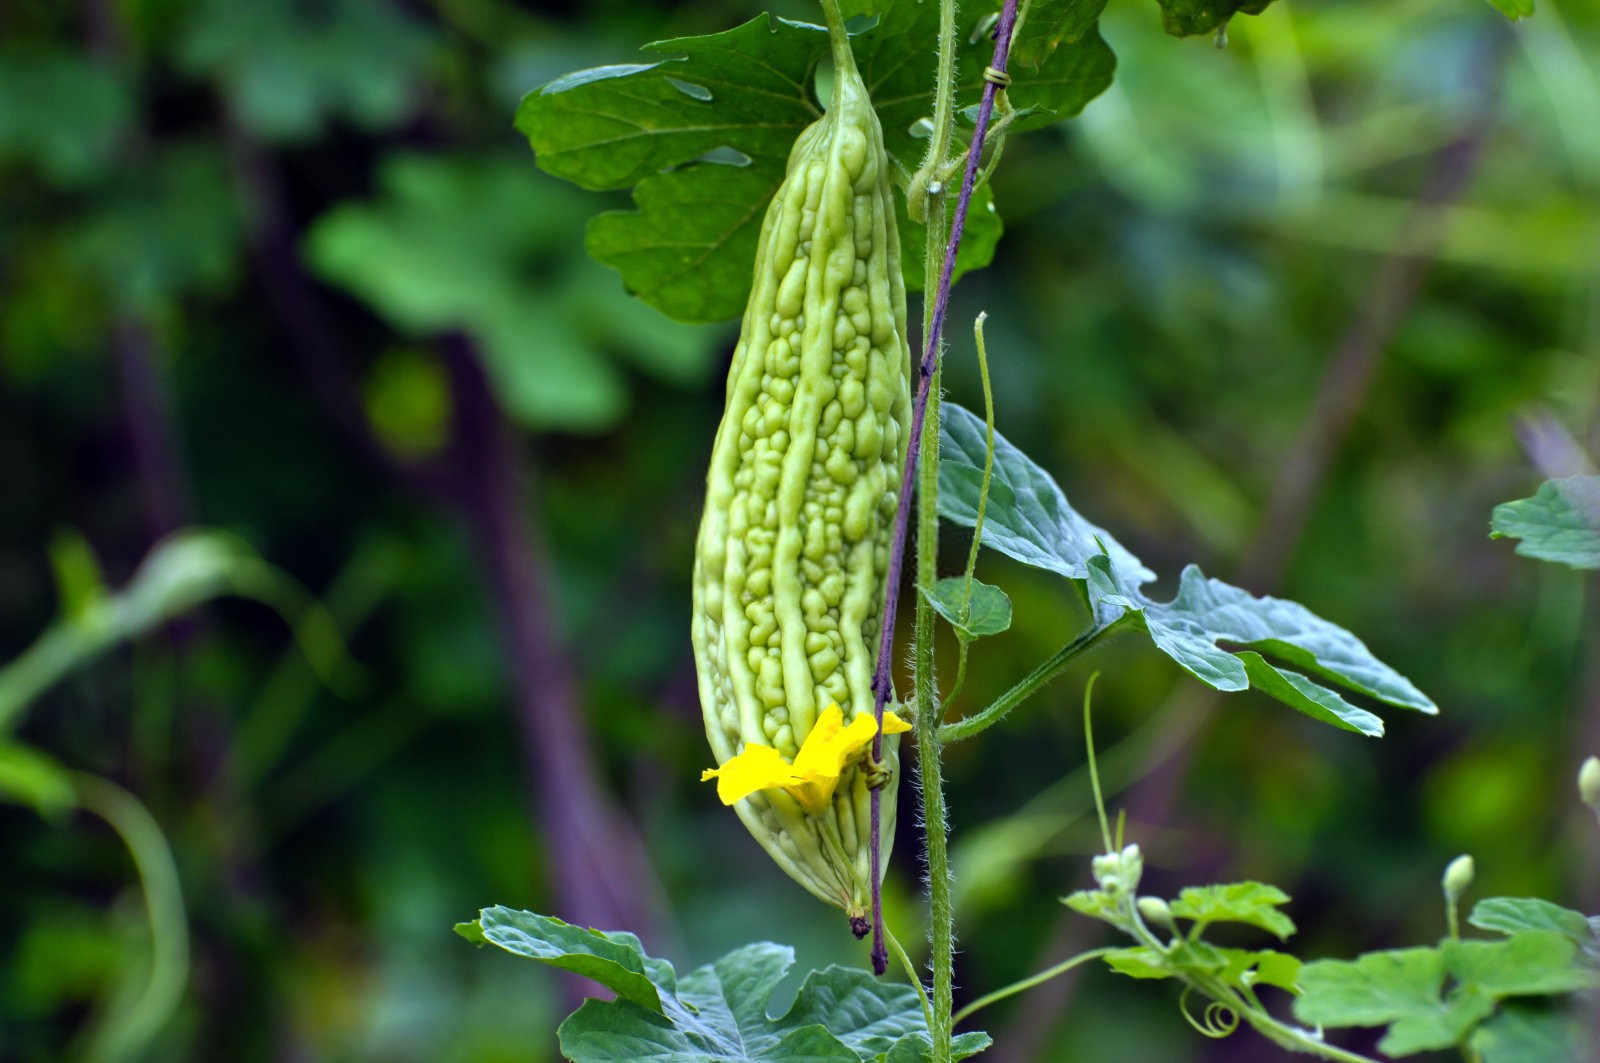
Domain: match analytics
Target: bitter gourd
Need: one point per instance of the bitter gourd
(792, 554)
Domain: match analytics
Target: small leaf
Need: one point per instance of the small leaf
(1561, 522)
(1400, 987)
(615, 960)
(80, 585)
(1254, 903)
(1140, 961)
(1096, 904)
(1509, 915)
(916, 1049)
(989, 612)
(1268, 967)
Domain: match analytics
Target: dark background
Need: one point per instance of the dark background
(1301, 310)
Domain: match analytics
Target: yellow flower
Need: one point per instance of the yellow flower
(814, 775)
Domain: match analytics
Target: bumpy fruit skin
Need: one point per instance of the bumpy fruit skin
(792, 555)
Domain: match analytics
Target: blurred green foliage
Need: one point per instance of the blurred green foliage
(1179, 268)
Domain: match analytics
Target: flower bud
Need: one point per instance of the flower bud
(1155, 911)
(1458, 877)
(1589, 783)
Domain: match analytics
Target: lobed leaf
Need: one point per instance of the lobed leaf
(702, 136)
(615, 960)
(1510, 915)
(1432, 998)
(1029, 519)
(717, 1012)
(448, 245)
(1403, 988)
(1253, 903)
(1526, 1033)
(1561, 522)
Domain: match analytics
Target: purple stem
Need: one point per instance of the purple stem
(919, 415)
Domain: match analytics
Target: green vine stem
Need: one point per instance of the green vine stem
(1028, 685)
(127, 1027)
(983, 502)
(1029, 982)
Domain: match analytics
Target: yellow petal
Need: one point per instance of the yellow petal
(894, 725)
(757, 768)
(826, 749)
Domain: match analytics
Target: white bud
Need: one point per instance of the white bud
(1155, 911)
(1458, 876)
(1589, 783)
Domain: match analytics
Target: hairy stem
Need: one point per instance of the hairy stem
(925, 447)
(1026, 687)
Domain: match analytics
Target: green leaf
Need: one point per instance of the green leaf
(615, 960)
(1049, 23)
(978, 239)
(1528, 963)
(988, 613)
(80, 585)
(170, 228)
(288, 69)
(1254, 903)
(1509, 915)
(1029, 519)
(702, 135)
(916, 1049)
(1185, 18)
(1140, 961)
(1263, 967)
(1407, 987)
(34, 778)
(717, 1012)
(1403, 988)
(478, 246)
(1513, 9)
(1561, 522)
(1525, 1033)
(1097, 904)
(62, 113)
